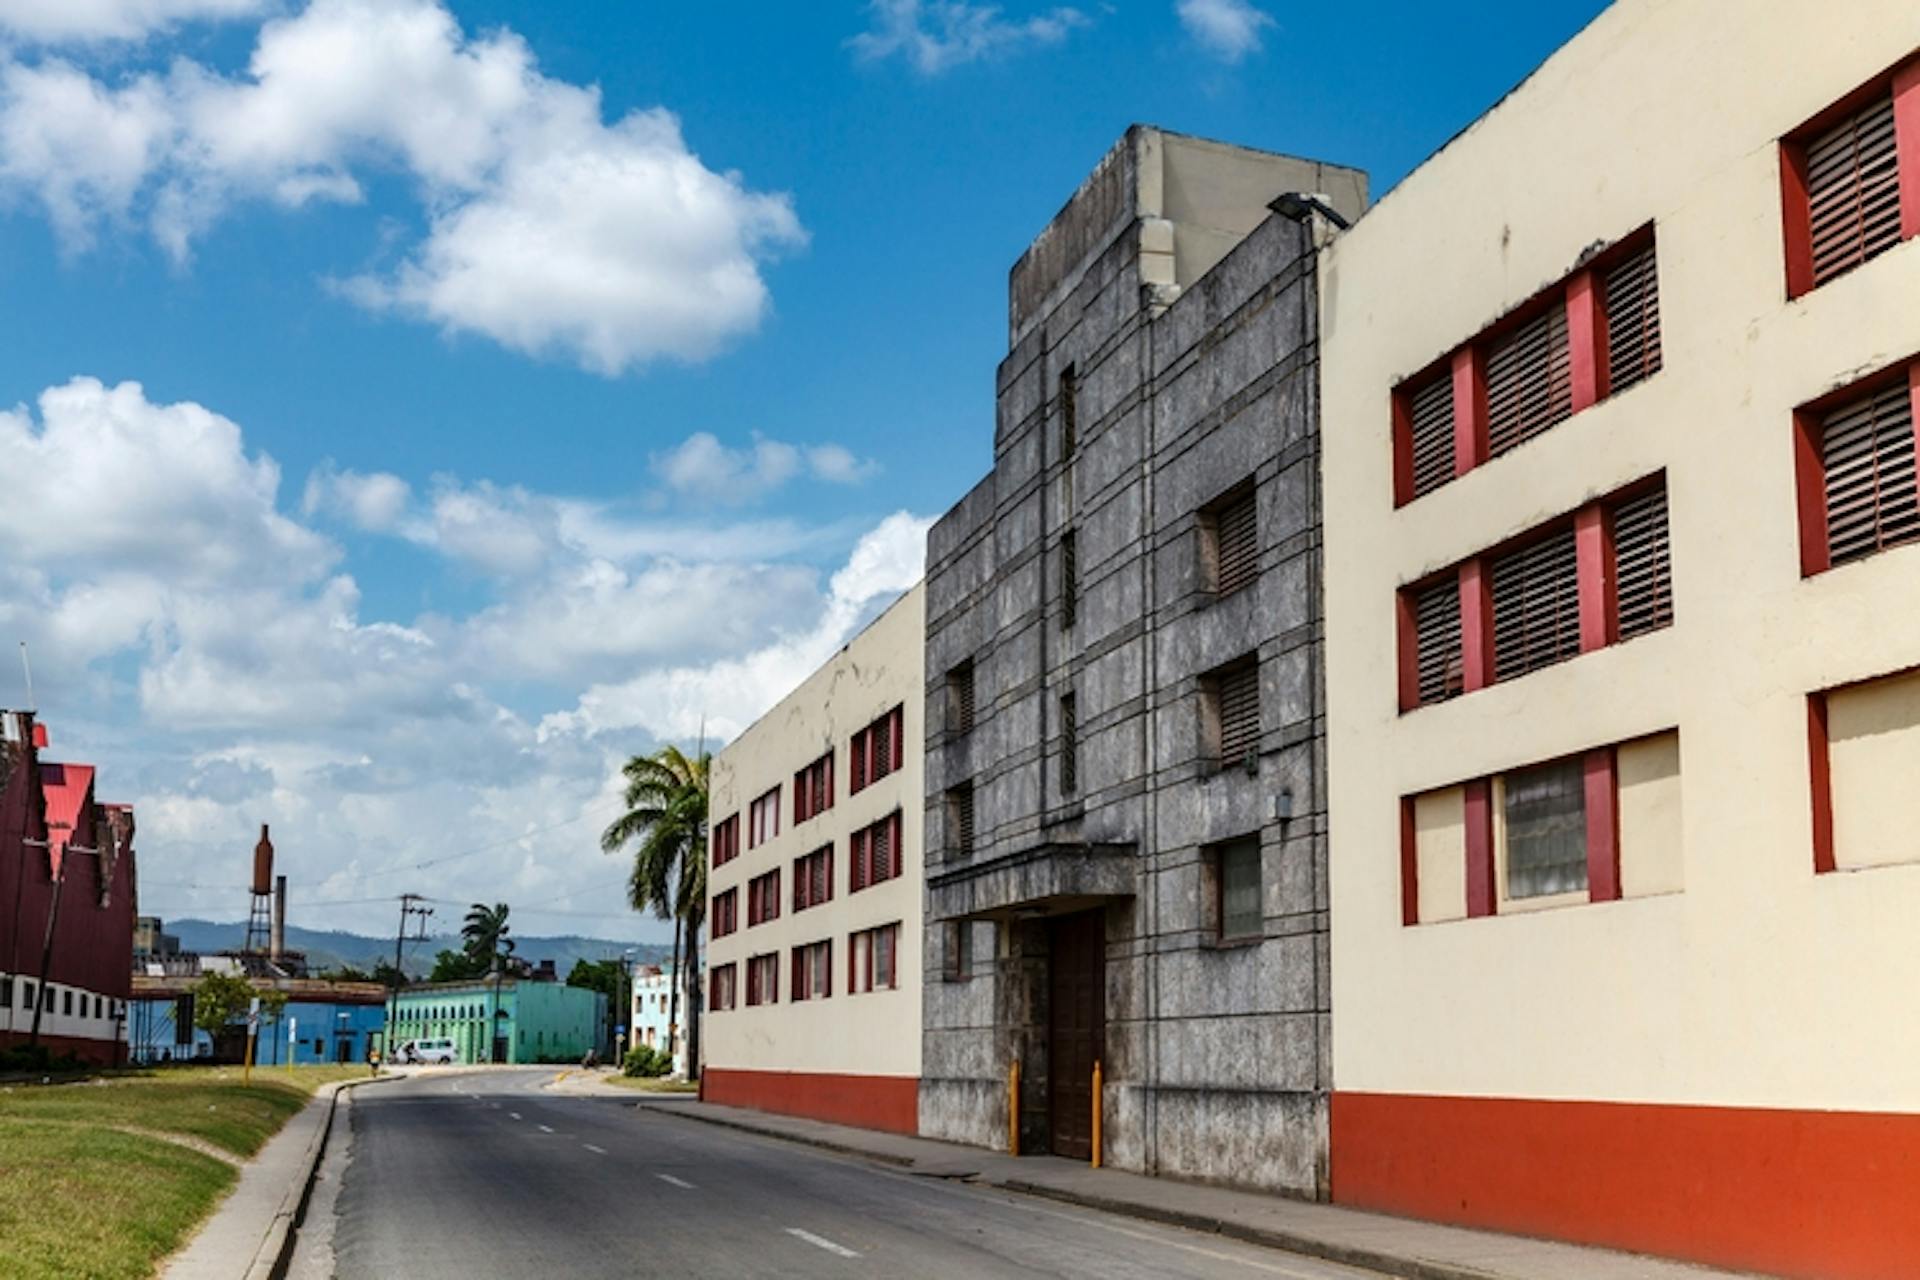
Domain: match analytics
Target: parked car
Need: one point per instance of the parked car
(435, 1051)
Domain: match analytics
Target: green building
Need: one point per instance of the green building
(533, 1021)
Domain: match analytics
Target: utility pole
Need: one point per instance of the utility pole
(400, 939)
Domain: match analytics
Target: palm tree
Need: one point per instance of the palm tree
(484, 936)
(666, 820)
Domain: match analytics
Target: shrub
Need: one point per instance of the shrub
(647, 1062)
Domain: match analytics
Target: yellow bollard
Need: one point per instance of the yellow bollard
(1013, 1108)
(1096, 1113)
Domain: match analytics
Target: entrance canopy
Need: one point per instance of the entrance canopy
(1045, 879)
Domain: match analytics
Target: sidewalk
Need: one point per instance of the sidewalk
(1395, 1246)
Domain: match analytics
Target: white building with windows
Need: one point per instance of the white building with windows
(653, 1020)
(814, 883)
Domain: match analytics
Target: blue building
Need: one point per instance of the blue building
(322, 1022)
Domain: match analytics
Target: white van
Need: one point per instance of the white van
(440, 1051)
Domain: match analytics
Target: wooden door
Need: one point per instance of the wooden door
(1076, 1026)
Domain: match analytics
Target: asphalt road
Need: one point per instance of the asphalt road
(488, 1174)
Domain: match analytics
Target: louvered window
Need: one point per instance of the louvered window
(1235, 538)
(1536, 607)
(812, 971)
(813, 789)
(1430, 421)
(763, 898)
(1632, 297)
(1237, 696)
(1529, 381)
(1867, 452)
(1436, 614)
(1069, 578)
(960, 698)
(1642, 564)
(874, 853)
(1853, 190)
(960, 816)
(1069, 412)
(1069, 744)
(813, 879)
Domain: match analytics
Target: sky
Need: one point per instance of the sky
(410, 409)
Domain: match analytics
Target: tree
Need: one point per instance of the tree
(387, 976)
(457, 966)
(597, 975)
(666, 822)
(219, 998)
(346, 973)
(484, 936)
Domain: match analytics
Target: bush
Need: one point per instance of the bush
(37, 1058)
(647, 1062)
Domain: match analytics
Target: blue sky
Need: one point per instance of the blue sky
(486, 430)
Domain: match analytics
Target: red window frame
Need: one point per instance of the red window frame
(725, 840)
(763, 898)
(1810, 475)
(813, 878)
(870, 764)
(763, 817)
(805, 959)
(862, 968)
(1902, 82)
(1582, 293)
(721, 989)
(1599, 604)
(725, 912)
(813, 789)
(866, 868)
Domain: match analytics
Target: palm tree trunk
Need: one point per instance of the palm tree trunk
(673, 988)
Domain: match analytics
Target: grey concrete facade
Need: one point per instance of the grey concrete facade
(1182, 314)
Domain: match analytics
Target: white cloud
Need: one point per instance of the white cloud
(1227, 29)
(550, 230)
(56, 21)
(937, 35)
(703, 468)
(373, 503)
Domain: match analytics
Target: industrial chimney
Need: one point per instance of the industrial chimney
(278, 946)
(263, 863)
(263, 920)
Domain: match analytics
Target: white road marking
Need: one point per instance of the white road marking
(599, 1151)
(821, 1242)
(544, 1129)
(669, 1178)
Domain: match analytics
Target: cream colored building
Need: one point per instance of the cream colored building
(815, 880)
(1625, 823)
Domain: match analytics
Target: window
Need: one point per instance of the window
(66, 1004)
(1536, 606)
(1069, 749)
(1069, 578)
(813, 789)
(1428, 412)
(1231, 700)
(1436, 613)
(813, 879)
(763, 898)
(957, 950)
(1069, 412)
(6, 993)
(870, 959)
(726, 912)
(726, 841)
(878, 750)
(960, 698)
(763, 818)
(1846, 198)
(1529, 381)
(1856, 472)
(1230, 541)
(874, 853)
(763, 979)
(719, 989)
(1643, 572)
(1545, 815)
(813, 971)
(960, 820)
(26, 999)
(1237, 877)
(1632, 299)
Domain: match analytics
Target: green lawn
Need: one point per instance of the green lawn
(84, 1193)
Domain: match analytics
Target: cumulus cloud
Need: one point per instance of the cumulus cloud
(1227, 29)
(549, 229)
(373, 503)
(60, 21)
(701, 467)
(938, 35)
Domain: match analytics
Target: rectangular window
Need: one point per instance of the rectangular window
(960, 698)
(726, 841)
(1529, 381)
(1427, 410)
(1069, 745)
(1867, 466)
(878, 750)
(1643, 570)
(1237, 871)
(1536, 606)
(1069, 412)
(1436, 628)
(1232, 700)
(726, 913)
(1069, 578)
(874, 853)
(870, 959)
(6, 993)
(1853, 190)
(957, 950)
(66, 1005)
(813, 971)
(720, 991)
(813, 789)
(813, 879)
(763, 979)
(960, 820)
(1230, 541)
(1631, 292)
(763, 819)
(763, 898)
(1545, 816)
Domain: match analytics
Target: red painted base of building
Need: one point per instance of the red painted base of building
(95, 1053)
(1823, 1195)
(888, 1103)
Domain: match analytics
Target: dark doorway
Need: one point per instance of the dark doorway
(1076, 1027)
(343, 1049)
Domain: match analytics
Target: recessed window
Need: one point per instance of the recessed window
(1069, 744)
(726, 912)
(813, 971)
(960, 820)
(871, 959)
(1230, 541)
(960, 698)
(878, 750)
(1632, 297)
(1429, 414)
(1069, 578)
(813, 789)
(1867, 471)
(726, 840)
(763, 898)
(1536, 606)
(1237, 873)
(1545, 816)
(763, 979)
(813, 879)
(1230, 700)
(957, 950)
(763, 819)
(874, 853)
(1069, 412)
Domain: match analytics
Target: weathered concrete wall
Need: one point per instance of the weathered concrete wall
(1216, 1056)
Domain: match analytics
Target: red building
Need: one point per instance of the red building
(67, 902)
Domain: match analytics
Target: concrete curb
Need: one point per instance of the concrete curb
(276, 1247)
(805, 1140)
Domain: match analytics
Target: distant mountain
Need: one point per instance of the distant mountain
(332, 948)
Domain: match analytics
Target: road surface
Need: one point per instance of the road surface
(489, 1174)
